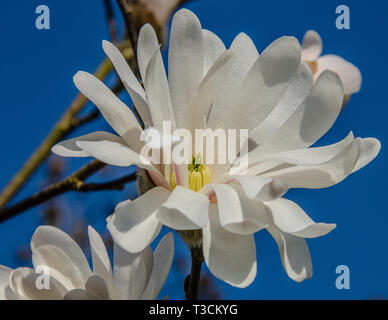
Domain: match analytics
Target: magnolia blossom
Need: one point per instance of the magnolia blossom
(61, 270)
(273, 96)
(311, 53)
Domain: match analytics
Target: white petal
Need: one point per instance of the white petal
(230, 257)
(369, 149)
(47, 235)
(60, 266)
(97, 286)
(237, 213)
(311, 46)
(306, 156)
(291, 218)
(79, 294)
(197, 110)
(5, 272)
(312, 119)
(184, 210)
(261, 188)
(213, 47)
(129, 80)
(113, 153)
(69, 148)
(146, 46)
(294, 253)
(135, 226)
(148, 258)
(101, 262)
(324, 175)
(294, 95)
(163, 256)
(223, 110)
(349, 74)
(265, 83)
(129, 274)
(158, 93)
(185, 59)
(55, 291)
(115, 112)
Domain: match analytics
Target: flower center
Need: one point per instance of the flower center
(199, 175)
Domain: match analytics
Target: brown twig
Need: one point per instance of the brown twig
(112, 27)
(191, 284)
(126, 10)
(61, 129)
(75, 182)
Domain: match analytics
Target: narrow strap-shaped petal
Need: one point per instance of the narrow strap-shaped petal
(113, 153)
(291, 218)
(163, 257)
(230, 257)
(69, 148)
(223, 111)
(115, 112)
(158, 93)
(213, 47)
(294, 253)
(265, 83)
(298, 89)
(130, 274)
(324, 175)
(198, 109)
(129, 80)
(185, 60)
(146, 46)
(306, 156)
(100, 258)
(312, 119)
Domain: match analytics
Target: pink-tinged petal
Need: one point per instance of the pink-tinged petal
(311, 46)
(349, 74)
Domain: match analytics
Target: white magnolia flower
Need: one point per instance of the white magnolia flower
(349, 74)
(57, 256)
(272, 95)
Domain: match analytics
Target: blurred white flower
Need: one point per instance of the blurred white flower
(271, 95)
(349, 74)
(58, 257)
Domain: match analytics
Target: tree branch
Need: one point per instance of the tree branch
(112, 27)
(126, 10)
(75, 182)
(61, 129)
(191, 284)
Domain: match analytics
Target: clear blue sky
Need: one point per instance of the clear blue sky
(36, 70)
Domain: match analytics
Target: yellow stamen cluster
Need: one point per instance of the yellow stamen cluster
(199, 175)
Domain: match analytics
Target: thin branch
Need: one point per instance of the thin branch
(61, 129)
(191, 284)
(75, 182)
(112, 27)
(126, 10)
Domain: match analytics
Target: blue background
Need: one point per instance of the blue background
(36, 69)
